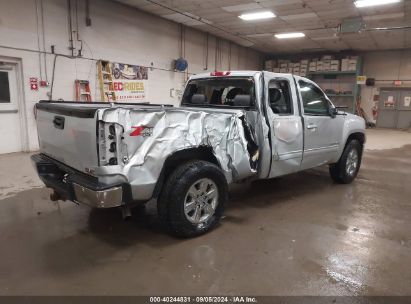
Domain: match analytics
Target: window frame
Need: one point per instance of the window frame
(7, 85)
(329, 103)
(276, 79)
(208, 105)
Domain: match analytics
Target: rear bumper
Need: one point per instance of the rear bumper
(73, 185)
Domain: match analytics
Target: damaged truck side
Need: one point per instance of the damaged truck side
(230, 127)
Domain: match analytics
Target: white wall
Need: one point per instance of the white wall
(118, 33)
(385, 67)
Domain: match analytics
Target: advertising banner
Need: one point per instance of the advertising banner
(129, 82)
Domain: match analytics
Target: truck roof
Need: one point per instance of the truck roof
(244, 73)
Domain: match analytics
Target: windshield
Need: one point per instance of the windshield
(233, 91)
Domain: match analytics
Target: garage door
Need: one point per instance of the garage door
(394, 110)
(9, 112)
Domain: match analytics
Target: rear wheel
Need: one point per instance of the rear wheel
(193, 198)
(346, 169)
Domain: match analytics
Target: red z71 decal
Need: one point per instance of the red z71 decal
(142, 131)
(137, 131)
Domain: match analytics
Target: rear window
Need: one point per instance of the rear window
(219, 91)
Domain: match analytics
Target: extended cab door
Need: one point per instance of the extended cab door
(285, 124)
(322, 133)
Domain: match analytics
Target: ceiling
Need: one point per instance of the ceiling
(318, 19)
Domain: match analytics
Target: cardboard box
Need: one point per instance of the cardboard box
(326, 65)
(280, 61)
(327, 57)
(344, 64)
(335, 65)
(334, 68)
(276, 70)
(319, 66)
(352, 67)
(290, 70)
(349, 64)
(283, 70)
(312, 68)
(304, 62)
(283, 65)
(296, 70)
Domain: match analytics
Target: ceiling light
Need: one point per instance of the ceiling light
(257, 16)
(289, 35)
(366, 3)
(385, 16)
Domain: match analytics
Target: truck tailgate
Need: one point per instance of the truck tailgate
(68, 133)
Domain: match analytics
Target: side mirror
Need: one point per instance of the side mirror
(332, 111)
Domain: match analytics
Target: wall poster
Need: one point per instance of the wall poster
(129, 82)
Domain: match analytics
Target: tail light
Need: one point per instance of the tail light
(110, 144)
(219, 74)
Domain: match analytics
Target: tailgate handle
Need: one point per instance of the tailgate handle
(58, 122)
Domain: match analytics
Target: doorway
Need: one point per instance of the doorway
(394, 109)
(10, 118)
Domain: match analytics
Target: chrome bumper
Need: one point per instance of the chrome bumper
(108, 198)
(69, 184)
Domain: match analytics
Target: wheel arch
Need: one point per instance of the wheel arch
(360, 136)
(174, 160)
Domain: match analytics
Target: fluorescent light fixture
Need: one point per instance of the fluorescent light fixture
(385, 16)
(289, 35)
(366, 3)
(257, 16)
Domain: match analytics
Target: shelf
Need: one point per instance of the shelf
(340, 95)
(333, 73)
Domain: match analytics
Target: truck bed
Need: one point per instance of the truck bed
(78, 135)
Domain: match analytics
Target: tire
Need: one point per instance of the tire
(186, 188)
(346, 169)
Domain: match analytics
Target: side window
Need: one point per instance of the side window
(279, 96)
(314, 101)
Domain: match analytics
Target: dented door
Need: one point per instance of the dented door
(285, 124)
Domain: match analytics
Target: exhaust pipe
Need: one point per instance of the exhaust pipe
(55, 196)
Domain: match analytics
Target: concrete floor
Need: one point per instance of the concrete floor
(296, 235)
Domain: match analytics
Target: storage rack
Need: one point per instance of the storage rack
(340, 79)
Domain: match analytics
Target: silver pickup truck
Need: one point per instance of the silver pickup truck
(230, 127)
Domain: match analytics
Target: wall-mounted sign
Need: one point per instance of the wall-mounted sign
(130, 82)
(397, 82)
(389, 102)
(361, 79)
(407, 101)
(34, 83)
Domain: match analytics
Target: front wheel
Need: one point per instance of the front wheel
(346, 169)
(193, 198)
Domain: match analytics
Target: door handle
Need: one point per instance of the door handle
(58, 122)
(311, 126)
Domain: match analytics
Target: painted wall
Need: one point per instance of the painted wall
(385, 67)
(118, 33)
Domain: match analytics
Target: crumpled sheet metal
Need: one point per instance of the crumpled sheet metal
(171, 130)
